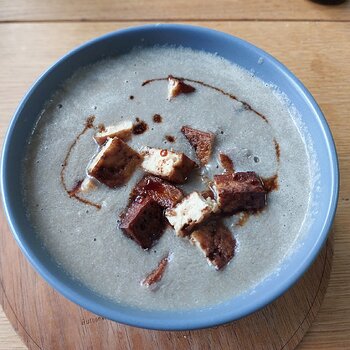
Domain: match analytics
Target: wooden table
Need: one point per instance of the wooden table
(312, 40)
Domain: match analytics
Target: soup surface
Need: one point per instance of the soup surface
(87, 242)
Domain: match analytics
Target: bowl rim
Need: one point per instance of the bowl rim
(144, 322)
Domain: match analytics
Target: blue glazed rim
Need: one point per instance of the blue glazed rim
(172, 320)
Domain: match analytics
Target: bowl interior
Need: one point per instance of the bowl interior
(236, 51)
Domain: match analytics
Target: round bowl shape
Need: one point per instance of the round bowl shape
(236, 51)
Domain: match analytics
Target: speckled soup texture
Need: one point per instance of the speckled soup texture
(86, 242)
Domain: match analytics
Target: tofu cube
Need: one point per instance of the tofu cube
(163, 192)
(172, 166)
(143, 222)
(216, 243)
(190, 212)
(122, 130)
(239, 191)
(201, 141)
(177, 86)
(114, 163)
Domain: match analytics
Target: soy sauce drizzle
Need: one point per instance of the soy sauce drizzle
(139, 127)
(278, 150)
(170, 138)
(246, 105)
(270, 183)
(73, 193)
(157, 118)
(75, 189)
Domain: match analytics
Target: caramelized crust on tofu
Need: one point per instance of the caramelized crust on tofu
(190, 212)
(216, 242)
(157, 274)
(169, 165)
(164, 193)
(122, 130)
(201, 141)
(143, 222)
(177, 86)
(239, 191)
(114, 163)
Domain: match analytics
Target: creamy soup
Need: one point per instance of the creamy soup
(253, 124)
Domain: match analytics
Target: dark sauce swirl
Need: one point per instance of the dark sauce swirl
(246, 105)
(74, 192)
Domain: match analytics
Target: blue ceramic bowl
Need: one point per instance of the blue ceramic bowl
(233, 49)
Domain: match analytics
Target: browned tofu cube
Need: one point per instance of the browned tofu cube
(192, 211)
(143, 222)
(169, 165)
(177, 86)
(122, 130)
(239, 191)
(164, 193)
(114, 163)
(201, 141)
(216, 243)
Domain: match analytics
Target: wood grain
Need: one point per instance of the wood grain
(280, 325)
(319, 59)
(160, 10)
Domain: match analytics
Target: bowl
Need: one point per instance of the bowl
(235, 50)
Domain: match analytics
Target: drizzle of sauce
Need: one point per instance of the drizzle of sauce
(277, 149)
(139, 127)
(157, 274)
(157, 118)
(246, 105)
(75, 189)
(227, 163)
(170, 138)
(270, 183)
(73, 193)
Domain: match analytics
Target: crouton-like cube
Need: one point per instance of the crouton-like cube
(143, 222)
(239, 191)
(201, 141)
(216, 243)
(169, 165)
(114, 163)
(164, 193)
(122, 130)
(177, 86)
(190, 212)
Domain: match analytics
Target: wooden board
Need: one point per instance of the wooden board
(46, 320)
(166, 10)
(316, 52)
